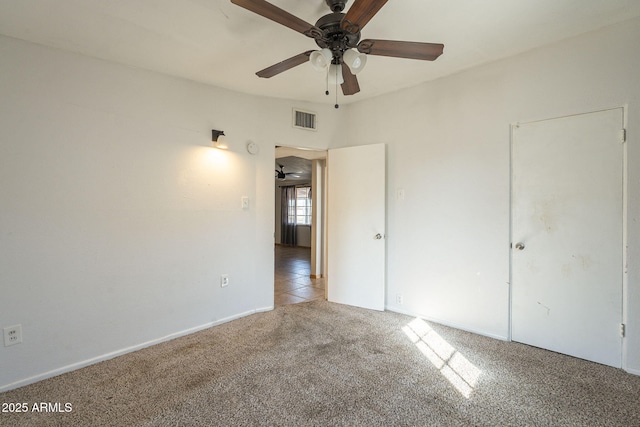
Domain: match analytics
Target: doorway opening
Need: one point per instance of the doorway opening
(299, 252)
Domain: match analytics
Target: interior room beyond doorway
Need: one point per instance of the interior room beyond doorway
(300, 176)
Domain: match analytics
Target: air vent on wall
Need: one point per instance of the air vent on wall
(304, 120)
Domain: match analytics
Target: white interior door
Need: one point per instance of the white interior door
(567, 231)
(356, 226)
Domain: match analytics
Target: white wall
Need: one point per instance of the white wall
(117, 217)
(448, 148)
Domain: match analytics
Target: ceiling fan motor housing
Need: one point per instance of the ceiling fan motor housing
(334, 37)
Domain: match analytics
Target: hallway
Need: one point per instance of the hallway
(292, 283)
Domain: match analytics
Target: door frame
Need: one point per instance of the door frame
(625, 201)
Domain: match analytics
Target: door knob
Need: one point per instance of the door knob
(519, 246)
(378, 236)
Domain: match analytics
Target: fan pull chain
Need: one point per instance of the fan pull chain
(337, 106)
(327, 81)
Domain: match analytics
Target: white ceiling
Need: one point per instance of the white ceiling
(218, 43)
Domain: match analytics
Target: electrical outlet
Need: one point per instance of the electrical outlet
(224, 280)
(12, 335)
(399, 299)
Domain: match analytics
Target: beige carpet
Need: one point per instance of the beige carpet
(324, 364)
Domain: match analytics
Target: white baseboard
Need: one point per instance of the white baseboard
(401, 310)
(633, 371)
(111, 355)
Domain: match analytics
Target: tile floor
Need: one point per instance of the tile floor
(292, 281)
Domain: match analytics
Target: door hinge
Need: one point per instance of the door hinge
(622, 136)
(622, 330)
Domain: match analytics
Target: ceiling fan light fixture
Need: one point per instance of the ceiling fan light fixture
(335, 74)
(320, 59)
(354, 60)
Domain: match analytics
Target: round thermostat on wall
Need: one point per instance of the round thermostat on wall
(253, 148)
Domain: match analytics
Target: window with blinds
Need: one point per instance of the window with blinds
(300, 208)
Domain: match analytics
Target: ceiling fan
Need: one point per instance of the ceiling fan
(281, 175)
(338, 34)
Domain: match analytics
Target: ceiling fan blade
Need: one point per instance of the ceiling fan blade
(360, 12)
(350, 85)
(274, 13)
(400, 49)
(284, 65)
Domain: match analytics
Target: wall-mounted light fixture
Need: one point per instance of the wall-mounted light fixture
(218, 138)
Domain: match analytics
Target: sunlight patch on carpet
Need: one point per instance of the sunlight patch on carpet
(461, 373)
